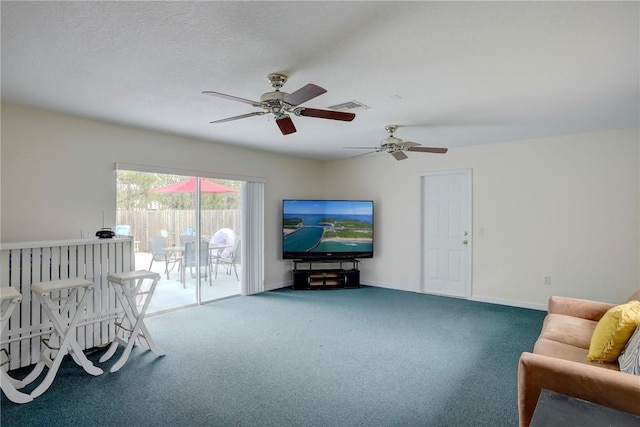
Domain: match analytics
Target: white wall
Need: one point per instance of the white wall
(566, 207)
(58, 178)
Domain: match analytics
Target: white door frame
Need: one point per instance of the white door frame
(469, 225)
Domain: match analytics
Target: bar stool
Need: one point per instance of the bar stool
(63, 329)
(128, 287)
(10, 298)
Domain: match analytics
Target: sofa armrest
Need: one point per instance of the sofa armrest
(606, 387)
(576, 307)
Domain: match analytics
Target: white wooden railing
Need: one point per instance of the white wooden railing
(22, 264)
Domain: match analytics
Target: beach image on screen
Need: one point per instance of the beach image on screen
(327, 226)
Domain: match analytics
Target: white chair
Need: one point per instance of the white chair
(10, 298)
(127, 287)
(224, 237)
(64, 319)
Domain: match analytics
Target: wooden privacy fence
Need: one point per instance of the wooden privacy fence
(149, 223)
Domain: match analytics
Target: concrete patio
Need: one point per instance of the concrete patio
(171, 294)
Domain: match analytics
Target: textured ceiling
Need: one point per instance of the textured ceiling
(452, 74)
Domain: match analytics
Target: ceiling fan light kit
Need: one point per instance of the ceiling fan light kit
(281, 104)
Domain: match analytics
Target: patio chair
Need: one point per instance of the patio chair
(123, 230)
(230, 261)
(159, 253)
(189, 260)
(224, 236)
(187, 238)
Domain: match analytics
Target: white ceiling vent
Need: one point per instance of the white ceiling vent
(351, 105)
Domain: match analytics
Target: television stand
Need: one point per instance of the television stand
(316, 274)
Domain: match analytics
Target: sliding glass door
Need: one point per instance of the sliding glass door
(186, 228)
(220, 229)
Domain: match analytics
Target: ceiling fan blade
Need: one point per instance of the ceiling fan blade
(428, 150)
(399, 155)
(363, 148)
(286, 125)
(232, 98)
(364, 154)
(243, 116)
(304, 94)
(326, 114)
(406, 144)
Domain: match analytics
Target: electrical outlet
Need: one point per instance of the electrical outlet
(546, 280)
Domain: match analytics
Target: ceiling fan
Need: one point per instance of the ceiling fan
(396, 147)
(282, 104)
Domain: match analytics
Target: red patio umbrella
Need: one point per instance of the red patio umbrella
(189, 186)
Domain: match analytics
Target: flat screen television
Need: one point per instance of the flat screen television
(327, 229)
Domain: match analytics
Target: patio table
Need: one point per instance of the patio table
(178, 252)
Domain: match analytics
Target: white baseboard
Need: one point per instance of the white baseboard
(512, 303)
(274, 286)
(387, 286)
(478, 298)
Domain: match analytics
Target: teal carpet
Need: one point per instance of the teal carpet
(357, 357)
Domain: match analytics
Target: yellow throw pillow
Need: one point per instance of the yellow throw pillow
(613, 331)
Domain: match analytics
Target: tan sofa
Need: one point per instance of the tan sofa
(559, 361)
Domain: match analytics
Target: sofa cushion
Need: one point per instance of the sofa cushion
(613, 331)
(568, 352)
(629, 359)
(568, 329)
(576, 307)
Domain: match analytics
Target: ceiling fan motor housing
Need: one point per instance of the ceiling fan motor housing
(391, 144)
(273, 101)
(275, 96)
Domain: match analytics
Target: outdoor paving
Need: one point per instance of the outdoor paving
(170, 293)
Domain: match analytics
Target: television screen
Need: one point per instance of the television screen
(327, 229)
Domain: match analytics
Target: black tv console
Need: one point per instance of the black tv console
(314, 274)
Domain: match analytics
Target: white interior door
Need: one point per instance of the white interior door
(446, 233)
